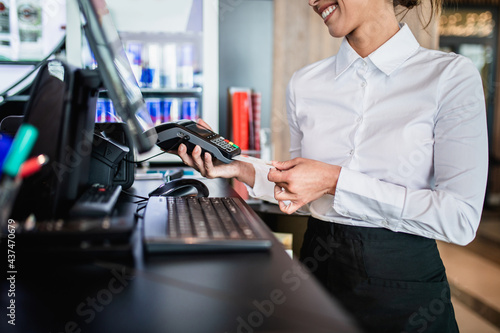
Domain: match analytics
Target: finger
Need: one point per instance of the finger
(276, 176)
(209, 166)
(278, 191)
(208, 160)
(286, 165)
(283, 186)
(282, 194)
(198, 160)
(183, 154)
(288, 208)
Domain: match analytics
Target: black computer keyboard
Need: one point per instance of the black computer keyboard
(198, 224)
(97, 200)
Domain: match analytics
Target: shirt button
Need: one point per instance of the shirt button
(385, 223)
(351, 152)
(359, 120)
(363, 84)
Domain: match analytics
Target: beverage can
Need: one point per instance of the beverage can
(153, 107)
(170, 109)
(190, 108)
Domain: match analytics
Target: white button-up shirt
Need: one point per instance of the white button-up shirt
(408, 127)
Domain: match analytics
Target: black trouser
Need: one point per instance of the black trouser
(388, 281)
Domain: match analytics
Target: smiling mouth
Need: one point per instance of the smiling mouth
(328, 11)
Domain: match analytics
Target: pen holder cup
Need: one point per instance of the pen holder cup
(8, 193)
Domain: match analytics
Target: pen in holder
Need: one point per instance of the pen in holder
(10, 181)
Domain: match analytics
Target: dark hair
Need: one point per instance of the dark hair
(409, 4)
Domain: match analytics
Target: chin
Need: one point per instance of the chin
(336, 33)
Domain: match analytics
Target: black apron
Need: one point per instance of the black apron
(388, 281)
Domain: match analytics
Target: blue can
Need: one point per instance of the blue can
(154, 109)
(110, 115)
(170, 109)
(190, 108)
(147, 77)
(134, 49)
(100, 114)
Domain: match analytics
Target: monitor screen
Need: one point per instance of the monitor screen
(116, 73)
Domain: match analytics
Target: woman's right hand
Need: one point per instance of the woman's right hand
(210, 168)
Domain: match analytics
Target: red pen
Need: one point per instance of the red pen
(33, 165)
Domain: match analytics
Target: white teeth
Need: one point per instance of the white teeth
(328, 11)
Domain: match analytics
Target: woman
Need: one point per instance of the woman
(389, 149)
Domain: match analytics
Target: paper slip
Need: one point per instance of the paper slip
(252, 160)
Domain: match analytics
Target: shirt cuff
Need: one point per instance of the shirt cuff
(262, 188)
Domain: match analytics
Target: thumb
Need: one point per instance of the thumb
(288, 207)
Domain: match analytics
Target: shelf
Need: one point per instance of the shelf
(196, 90)
(168, 91)
(162, 37)
(20, 63)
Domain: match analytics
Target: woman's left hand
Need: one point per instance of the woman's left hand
(301, 181)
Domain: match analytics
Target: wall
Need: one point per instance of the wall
(245, 52)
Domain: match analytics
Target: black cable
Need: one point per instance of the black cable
(140, 201)
(147, 159)
(135, 196)
(164, 151)
(118, 169)
(140, 208)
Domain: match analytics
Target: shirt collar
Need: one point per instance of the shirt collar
(387, 57)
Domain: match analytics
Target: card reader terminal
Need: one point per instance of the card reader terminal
(172, 134)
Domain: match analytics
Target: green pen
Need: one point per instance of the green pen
(20, 149)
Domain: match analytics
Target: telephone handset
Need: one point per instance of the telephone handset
(172, 134)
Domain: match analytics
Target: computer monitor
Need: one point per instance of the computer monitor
(116, 73)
